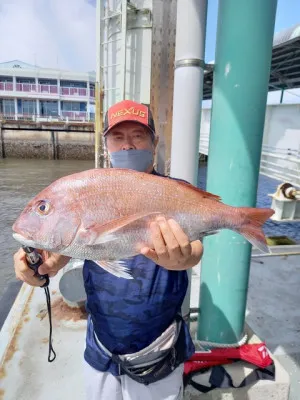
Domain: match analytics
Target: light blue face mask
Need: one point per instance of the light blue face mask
(139, 160)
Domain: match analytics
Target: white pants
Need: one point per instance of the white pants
(105, 386)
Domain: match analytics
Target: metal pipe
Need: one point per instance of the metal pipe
(98, 91)
(283, 254)
(124, 48)
(97, 85)
(188, 94)
(242, 69)
(281, 96)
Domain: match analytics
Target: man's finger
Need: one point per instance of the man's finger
(181, 237)
(158, 241)
(19, 255)
(47, 267)
(169, 238)
(31, 280)
(53, 264)
(149, 253)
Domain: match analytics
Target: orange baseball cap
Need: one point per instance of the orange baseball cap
(128, 110)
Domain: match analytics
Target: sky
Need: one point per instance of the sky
(49, 33)
(62, 33)
(287, 15)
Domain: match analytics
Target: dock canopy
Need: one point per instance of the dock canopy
(285, 67)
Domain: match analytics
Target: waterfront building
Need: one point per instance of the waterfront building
(29, 92)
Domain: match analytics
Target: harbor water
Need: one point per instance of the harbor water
(20, 180)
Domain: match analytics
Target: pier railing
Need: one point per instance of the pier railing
(278, 163)
(32, 88)
(281, 164)
(72, 116)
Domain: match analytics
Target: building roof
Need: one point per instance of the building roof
(17, 64)
(285, 66)
(20, 68)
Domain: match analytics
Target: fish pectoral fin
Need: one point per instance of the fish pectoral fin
(102, 234)
(115, 267)
(104, 238)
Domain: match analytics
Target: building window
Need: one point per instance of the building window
(6, 79)
(92, 90)
(48, 82)
(73, 106)
(7, 106)
(83, 107)
(73, 84)
(25, 80)
(48, 108)
(26, 107)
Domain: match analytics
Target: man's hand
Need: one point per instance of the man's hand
(52, 264)
(172, 248)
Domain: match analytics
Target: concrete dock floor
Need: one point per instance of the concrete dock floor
(273, 310)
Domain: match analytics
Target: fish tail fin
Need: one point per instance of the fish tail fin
(251, 228)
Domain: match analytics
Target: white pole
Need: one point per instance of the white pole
(98, 40)
(188, 94)
(98, 88)
(123, 54)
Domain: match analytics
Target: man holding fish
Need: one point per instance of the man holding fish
(142, 231)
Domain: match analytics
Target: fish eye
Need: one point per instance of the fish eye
(43, 207)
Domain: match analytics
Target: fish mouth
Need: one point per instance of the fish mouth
(25, 242)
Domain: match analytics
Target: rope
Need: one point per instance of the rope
(203, 343)
(240, 343)
(51, 350)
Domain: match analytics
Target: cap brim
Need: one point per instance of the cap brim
(121, 122)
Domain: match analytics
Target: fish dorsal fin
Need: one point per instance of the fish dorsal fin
(126, 170)
(203, 193)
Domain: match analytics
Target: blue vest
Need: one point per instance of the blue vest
(128, 315)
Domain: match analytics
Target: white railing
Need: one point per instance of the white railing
(277, 163)
(73, 91)
(7, 117)
(26, 87)
(29, 88)
(46, 89)
(281, 164)
(67, 116)
(74, 115)
(6, 86)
